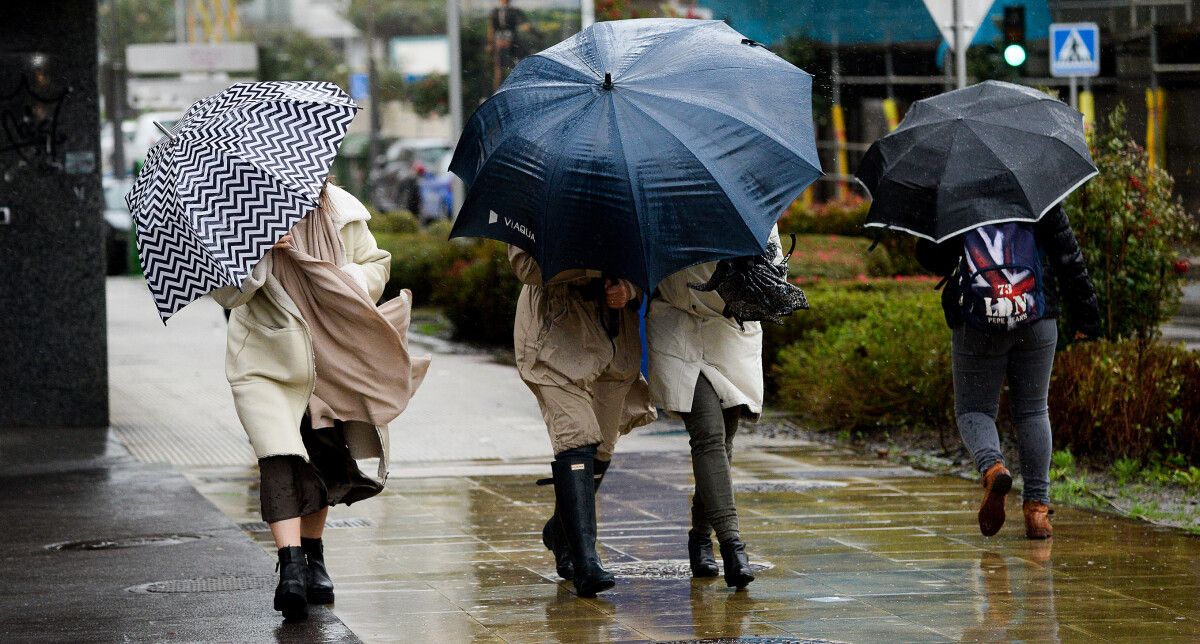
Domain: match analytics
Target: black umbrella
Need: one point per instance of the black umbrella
(988, 153)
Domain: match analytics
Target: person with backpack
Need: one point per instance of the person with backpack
(1003, 287)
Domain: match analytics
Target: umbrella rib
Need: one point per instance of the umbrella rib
(583, 79)
(741, 118)
(700, 161)
(666, 39)
(900, 157)
(1045, 136)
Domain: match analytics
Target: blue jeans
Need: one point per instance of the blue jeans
(982, 361)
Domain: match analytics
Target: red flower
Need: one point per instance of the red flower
(1182, 266)
(1137, 184)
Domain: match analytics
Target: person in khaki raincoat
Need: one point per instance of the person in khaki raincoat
(272, 372)
(707, 369)
(578, 350)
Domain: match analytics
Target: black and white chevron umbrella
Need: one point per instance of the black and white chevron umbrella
(232, 177)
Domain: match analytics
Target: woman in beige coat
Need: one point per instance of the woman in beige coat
(707, 369)
(305, 360)
(578, 350)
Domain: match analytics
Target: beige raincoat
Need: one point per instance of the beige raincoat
(689, 336)
(269, 356)
(589, 386)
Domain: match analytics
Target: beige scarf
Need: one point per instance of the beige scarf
(364, 372)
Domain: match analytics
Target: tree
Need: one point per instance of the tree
(400, 17)
(293, 55)
(135, 21)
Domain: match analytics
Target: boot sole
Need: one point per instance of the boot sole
(706, 573)
(319, 597)
(991, 511)
(293, 606)
(740, 582)
(590, 590)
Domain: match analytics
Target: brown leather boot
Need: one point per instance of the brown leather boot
(997, 481)
(1037, 520)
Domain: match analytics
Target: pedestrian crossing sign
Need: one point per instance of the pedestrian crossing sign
(1074, 49)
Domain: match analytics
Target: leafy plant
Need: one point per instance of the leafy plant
(1125, 470)
(1131, 227)
(1062, 464)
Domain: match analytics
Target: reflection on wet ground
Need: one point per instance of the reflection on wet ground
(859, 551)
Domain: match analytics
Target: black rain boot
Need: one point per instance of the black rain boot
(737, 564)
(575, 493)
(291, 593)
(555, 539)
(320, 585)
(700, 546)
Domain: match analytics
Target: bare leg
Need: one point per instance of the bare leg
(312, 526)
(286, 532)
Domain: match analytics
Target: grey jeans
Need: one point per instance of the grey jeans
(711, 431)
(982, 361)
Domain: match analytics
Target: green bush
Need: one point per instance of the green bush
(837, 302)
(398, 222)
(835, 257)
(882, 359)
(479, 295)
(1131, 227)
(1130, 398)
(830, 218)
(419, 263)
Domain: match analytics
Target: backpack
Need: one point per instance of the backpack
(1000, 277)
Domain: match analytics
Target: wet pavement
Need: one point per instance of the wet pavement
(852, 549)
(855, 550)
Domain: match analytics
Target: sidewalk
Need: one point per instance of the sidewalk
(851, 549)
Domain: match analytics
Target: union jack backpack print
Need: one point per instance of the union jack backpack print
(1000, 277)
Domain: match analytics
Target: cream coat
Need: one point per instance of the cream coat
(689, 336)
(560, 345)
(269, 356)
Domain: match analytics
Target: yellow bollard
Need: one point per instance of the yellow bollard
(1087, 105)
(1160, 109)
(1151, 129)
(843, 163)
(891, 113)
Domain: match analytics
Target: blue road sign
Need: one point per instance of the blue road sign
(1074, 49)
(360, 86)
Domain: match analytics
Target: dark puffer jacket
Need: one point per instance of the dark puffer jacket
(1064, 273)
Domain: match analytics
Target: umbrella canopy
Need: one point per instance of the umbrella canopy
(638, 148)
(232, 177)
(988, 153)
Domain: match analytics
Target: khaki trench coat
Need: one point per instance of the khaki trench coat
(688, 336)
(269, 357)
(589, 386)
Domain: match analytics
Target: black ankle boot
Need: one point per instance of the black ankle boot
(737, 564)
(291, 593)
(700, 555)
(555, 539)
(320, 585)
(575, 494)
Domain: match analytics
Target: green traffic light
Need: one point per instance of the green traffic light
(1014, 55)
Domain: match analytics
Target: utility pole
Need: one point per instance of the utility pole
(960, 47)
(372, 99)
(587, 13)
(454, 35)
(116, 94)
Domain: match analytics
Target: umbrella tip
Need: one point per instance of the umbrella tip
(608, 80)
(165, 131)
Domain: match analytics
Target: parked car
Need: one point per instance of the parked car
(118, 222)
(395, 176)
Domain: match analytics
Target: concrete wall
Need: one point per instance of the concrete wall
(53, 367)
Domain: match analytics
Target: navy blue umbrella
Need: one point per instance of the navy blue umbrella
(639, 148)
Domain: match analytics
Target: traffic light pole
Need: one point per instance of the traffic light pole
(960, 47)
(1074, 92)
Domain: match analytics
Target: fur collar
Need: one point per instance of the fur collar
(346, 208)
